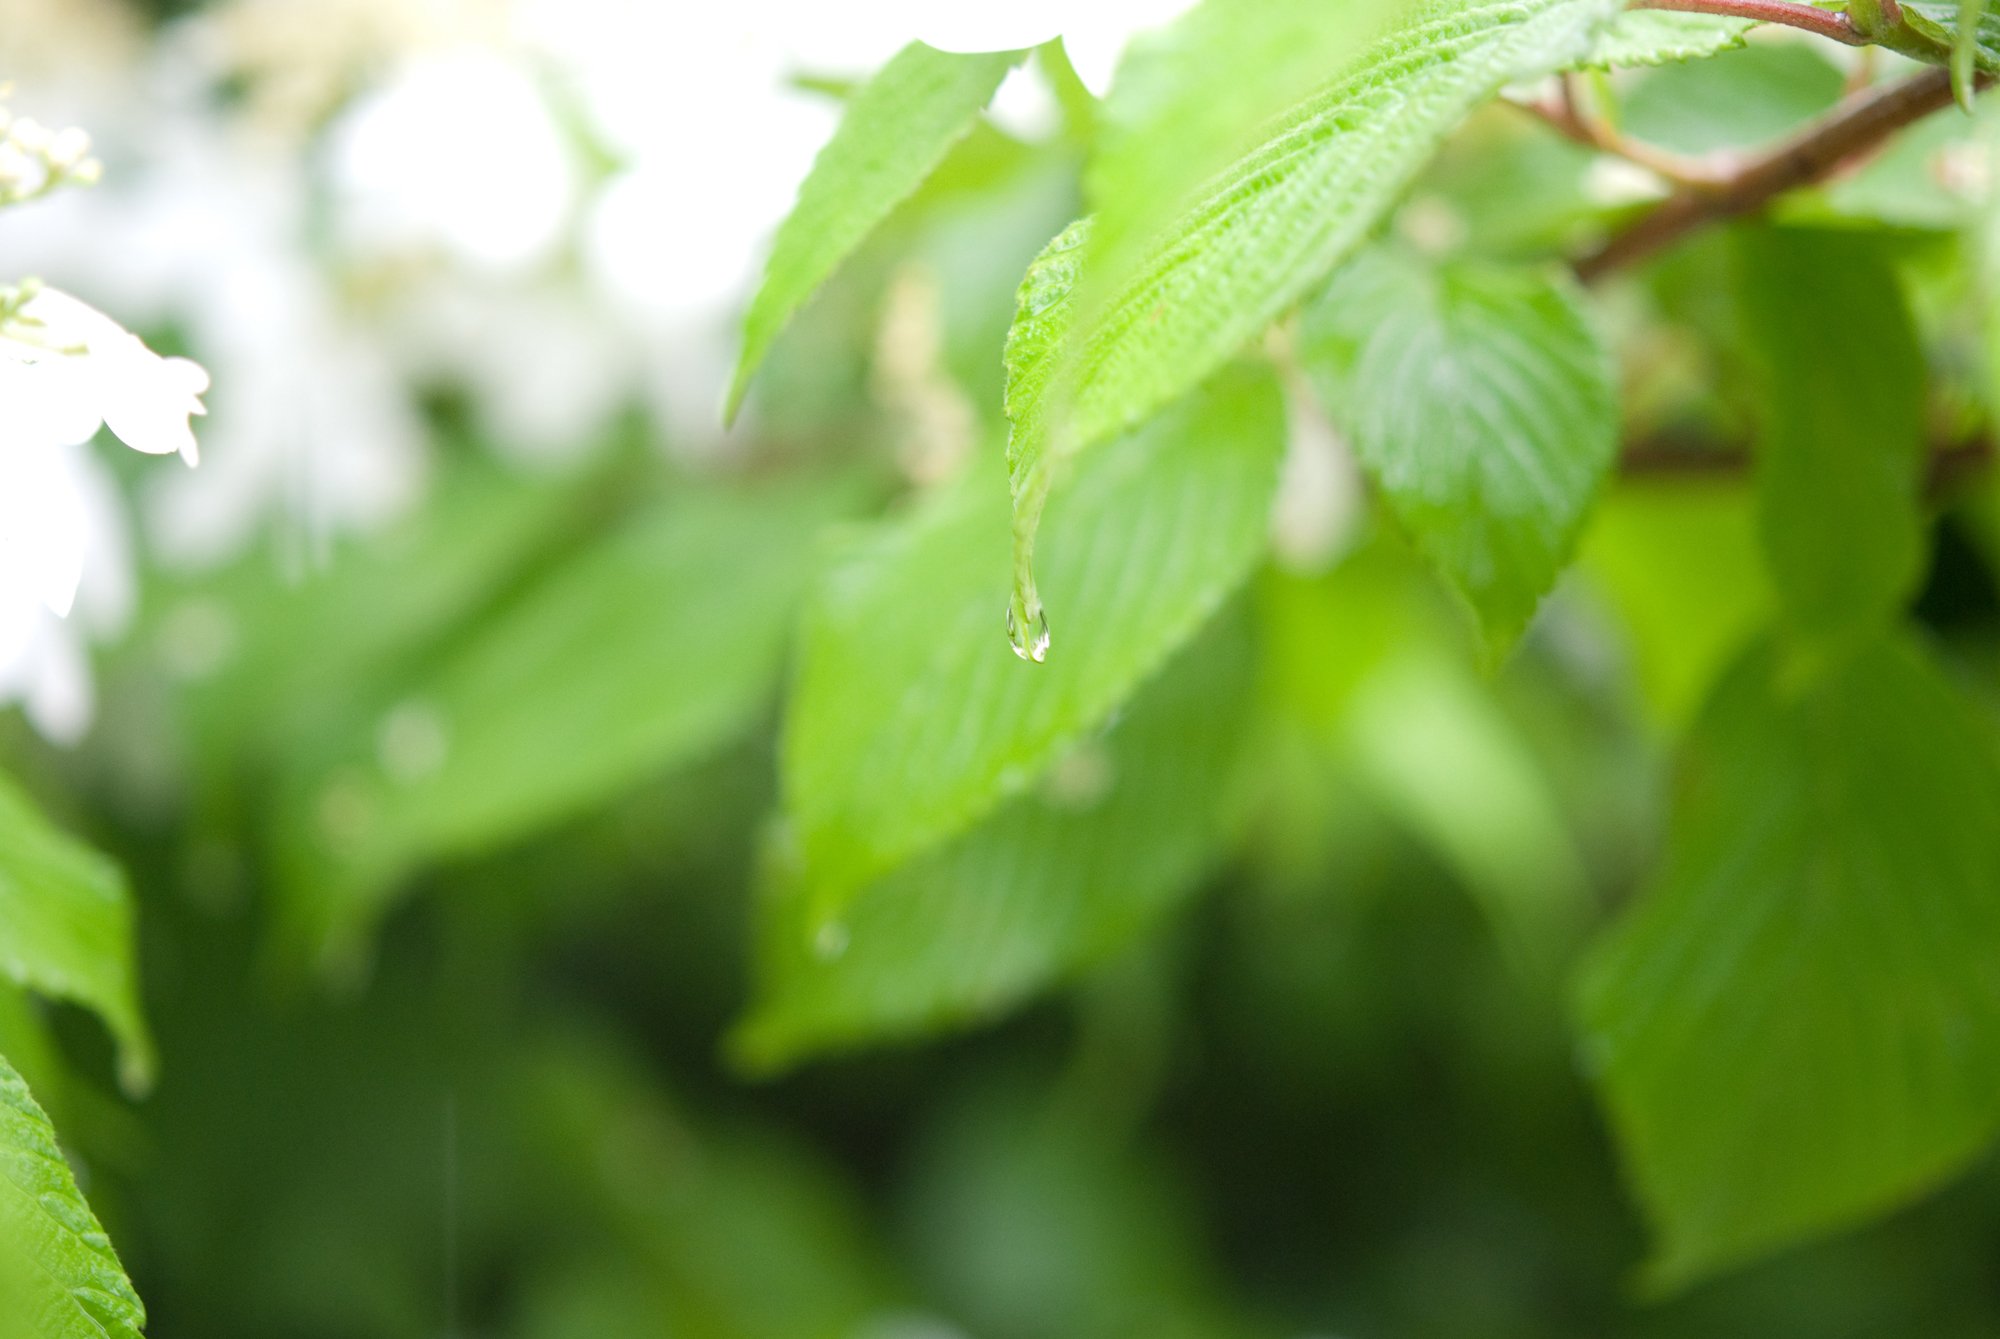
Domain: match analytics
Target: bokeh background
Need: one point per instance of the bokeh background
(448, 897)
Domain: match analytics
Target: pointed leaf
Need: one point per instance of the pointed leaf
(1798, 1025)
(59, 1276)
(1481, 402)
(1051, 881)
(896, 131)
(908, 720)
(1262, 232)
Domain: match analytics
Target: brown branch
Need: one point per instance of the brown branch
(1810, 18)
(1856, 126)
(1947, 464)
(1569, 117)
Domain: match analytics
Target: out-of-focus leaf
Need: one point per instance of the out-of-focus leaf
(896, 131)
(1259, 235)
(66, 927)
(747, 1234)
(1660, 37)
(909, 720)
(1033, 1214)
(59, 1275)
(643, 651)
(1114, 837)
(1799, 1022)
(1942, 22)
(1368, 659)
(1679, 562)
(1481, 402)
(1736, 100)
(1841, 393)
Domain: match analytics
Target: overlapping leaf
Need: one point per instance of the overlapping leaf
(1640, 37)
(59, 1276)
(896, 131)
(1112, 839)
(645, 650)
(1799, 1023)
(908, 719)
(1260, 233)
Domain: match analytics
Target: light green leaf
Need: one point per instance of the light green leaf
(644, 651)
(1260, 234)
(1660, 37)
(1840, 457)
(59, 1276)
(1738, 100)
(1482, 403)
(66, 927)
(1798, 1025)
(908, 720)
(1965, 50)
(896, 131)
(1112, 839)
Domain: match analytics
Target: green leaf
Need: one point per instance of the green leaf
(66, 927)
(908, 720)
(897, 129)
(1798, 1025)
(59, 1276)
(1738, 100)
(1942, 23)
(1660, 37)
(1965, 50)
(1482, 403)
(1260, 234)
(1055, 879)
(644, 651)
(1841, 393)
(1679, 562)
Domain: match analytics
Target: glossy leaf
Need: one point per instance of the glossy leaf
(1481, 402)
(59, 1276)
(1260, 234)
(896, 131)
(1108, 843)
(66, 927)
(1841, 395)
(1798, 1024)
(909, 720)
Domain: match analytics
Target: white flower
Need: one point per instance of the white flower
(66, 367)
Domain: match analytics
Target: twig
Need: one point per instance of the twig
(1811, 18)
(1567, 115)
(1856, 126)
(1947, 464)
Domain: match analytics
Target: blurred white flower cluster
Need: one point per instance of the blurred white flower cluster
(555, 207)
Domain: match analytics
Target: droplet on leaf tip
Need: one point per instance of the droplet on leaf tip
(1031, 644)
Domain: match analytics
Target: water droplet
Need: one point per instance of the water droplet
(1032, 645)
(831, 941)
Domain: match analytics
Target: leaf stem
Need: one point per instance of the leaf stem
(1856, 126)
(1811, 18)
